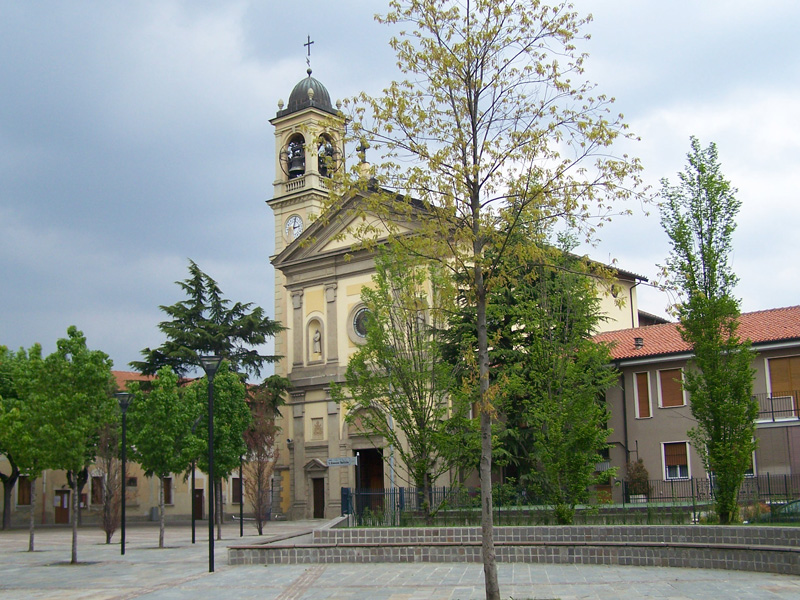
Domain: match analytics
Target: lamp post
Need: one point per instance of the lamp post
(210, 365)
(241, 498)
(124, 399)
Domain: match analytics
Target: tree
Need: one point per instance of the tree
(110, 468)
(397, 384)
(699, 216)
(74, 393)
(21, 439)
(489, 123)
(261, 451)
(161, 436)
(206, 323)
(552, 375)
(559, 378)
(231, 419)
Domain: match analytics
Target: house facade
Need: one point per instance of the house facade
(651, 413)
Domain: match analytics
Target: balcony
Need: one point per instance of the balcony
(777, 407)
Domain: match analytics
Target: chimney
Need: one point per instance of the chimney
(638, 343)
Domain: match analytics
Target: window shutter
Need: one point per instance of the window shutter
(671, 388)
(643, 395)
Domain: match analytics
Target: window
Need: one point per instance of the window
(132, 482)
(642, 392)
(236, 490)
(784, 384)
(167, 490)
(97, 490)
(670, 388)
(676, 460)
(23, 491)
(357, 323)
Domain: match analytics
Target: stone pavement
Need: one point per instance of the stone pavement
(180, 572)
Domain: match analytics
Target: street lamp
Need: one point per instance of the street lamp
(210, 365)
(124, 399)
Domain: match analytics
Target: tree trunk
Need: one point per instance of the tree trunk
(161, 512)
(487, 517)
(8, 486)
(75, 505)
(31, 520)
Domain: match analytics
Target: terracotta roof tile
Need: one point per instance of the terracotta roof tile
(122, 377)
(760, 327)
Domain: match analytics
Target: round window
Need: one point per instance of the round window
(360, 322)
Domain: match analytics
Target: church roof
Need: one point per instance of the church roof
(299, 98)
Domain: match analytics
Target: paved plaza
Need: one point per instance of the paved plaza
(180, 572)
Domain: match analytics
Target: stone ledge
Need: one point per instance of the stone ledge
(772, 549)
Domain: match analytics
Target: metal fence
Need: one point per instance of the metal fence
(671, 501)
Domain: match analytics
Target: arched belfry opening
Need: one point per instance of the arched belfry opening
(328, 156)
(295, 158)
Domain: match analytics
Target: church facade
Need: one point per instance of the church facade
(318, 283)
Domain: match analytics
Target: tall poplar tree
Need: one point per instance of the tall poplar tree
(699, 216)
(491, 124)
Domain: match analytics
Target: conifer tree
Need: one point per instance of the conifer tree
(206, 323)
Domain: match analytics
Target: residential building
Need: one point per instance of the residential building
(651, 413)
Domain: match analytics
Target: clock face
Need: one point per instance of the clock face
(294, 227)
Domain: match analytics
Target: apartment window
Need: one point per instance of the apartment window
(676, 460)
(167, 490)
(97, 490)
(236, 490)
(670, 388)
(643, 396)
(23, 491)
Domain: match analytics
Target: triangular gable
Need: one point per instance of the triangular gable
(330, 235)
(315, 465)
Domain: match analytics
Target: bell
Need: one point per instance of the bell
(297, 165)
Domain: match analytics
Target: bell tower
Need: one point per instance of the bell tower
(309, 134)
(308, 148)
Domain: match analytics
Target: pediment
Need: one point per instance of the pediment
(331, 235)
(315, 465)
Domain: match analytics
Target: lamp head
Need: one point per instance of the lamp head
(124, 399)
(210, 364)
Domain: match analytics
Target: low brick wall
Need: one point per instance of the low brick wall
(764, 549)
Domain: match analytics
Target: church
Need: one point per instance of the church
(318, 283)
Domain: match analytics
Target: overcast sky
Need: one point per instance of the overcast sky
(135, 135)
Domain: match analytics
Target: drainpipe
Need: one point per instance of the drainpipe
(624, 414)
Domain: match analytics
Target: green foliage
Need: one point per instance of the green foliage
(73, 392)
(206, 323)
(231, 419)
(699, 215)
(160, 424)
(397, 383)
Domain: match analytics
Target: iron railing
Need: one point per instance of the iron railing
(778, 406)
(458, 505)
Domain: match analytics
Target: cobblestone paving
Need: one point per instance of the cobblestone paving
(180, 572)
